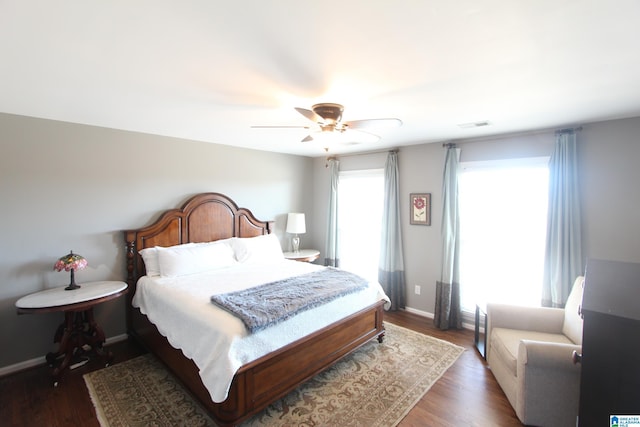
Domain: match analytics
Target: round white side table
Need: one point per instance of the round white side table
(305, 255)
(79, 327)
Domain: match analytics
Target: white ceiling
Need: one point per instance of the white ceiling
(209, 70)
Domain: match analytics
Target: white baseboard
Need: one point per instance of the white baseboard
(419, 312)
(428, 315)
(7, 370)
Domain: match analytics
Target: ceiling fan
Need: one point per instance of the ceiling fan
(328, 117)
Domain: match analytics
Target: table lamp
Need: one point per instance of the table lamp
(295, 225)
(71, 262)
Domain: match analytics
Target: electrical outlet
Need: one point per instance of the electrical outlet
(417, 290)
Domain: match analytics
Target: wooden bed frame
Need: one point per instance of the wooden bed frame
(213, 216)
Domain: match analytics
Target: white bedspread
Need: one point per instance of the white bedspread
(217, 341)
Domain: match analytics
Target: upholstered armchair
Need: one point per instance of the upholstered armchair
(529, 351)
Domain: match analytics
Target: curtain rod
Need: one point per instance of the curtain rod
(336, 156)
(569, 130)
(558, 132)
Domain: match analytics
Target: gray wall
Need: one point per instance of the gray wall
(608, 154)
(66, 186)
(610, 176)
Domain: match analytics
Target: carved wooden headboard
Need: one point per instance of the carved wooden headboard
(205, 217)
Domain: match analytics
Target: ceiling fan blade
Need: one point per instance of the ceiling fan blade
(374, 124)
(279, 127)
(307, 138)
(358, 136)
(310, 115)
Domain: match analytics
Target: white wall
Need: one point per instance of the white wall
(66, 186)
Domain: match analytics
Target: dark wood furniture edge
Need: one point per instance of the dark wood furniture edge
(79, 306)
(75, 332)
(213, 216)
(262, 382)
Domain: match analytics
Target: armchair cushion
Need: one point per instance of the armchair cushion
(541, 319)
(506, 342)
(533, 319)
(572, 326)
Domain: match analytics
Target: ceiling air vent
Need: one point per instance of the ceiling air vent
(473, 124)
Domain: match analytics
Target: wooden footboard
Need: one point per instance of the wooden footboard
(271, 377)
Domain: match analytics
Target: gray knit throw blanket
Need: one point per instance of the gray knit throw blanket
(268, 304)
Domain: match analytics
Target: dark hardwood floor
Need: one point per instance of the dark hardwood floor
(466, 395)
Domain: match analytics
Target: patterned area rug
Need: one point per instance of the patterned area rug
(375, 386)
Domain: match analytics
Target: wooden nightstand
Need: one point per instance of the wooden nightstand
(79, 328)
(305, 255)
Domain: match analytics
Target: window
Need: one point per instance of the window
(503, 220)
(360, 205)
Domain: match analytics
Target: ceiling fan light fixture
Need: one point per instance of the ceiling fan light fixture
(331, 113)
(325, 137)
(333, 131)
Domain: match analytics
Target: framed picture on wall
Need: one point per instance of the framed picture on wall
(420, 209)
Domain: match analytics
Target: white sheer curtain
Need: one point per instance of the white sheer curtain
(360, 199)
(563, 258)
(332, 257)
(391, 265)
(503, 221)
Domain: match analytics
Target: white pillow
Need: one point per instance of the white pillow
(190, 259)
(150, 258)
(258, 250)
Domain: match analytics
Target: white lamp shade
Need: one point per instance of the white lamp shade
(295, 223)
